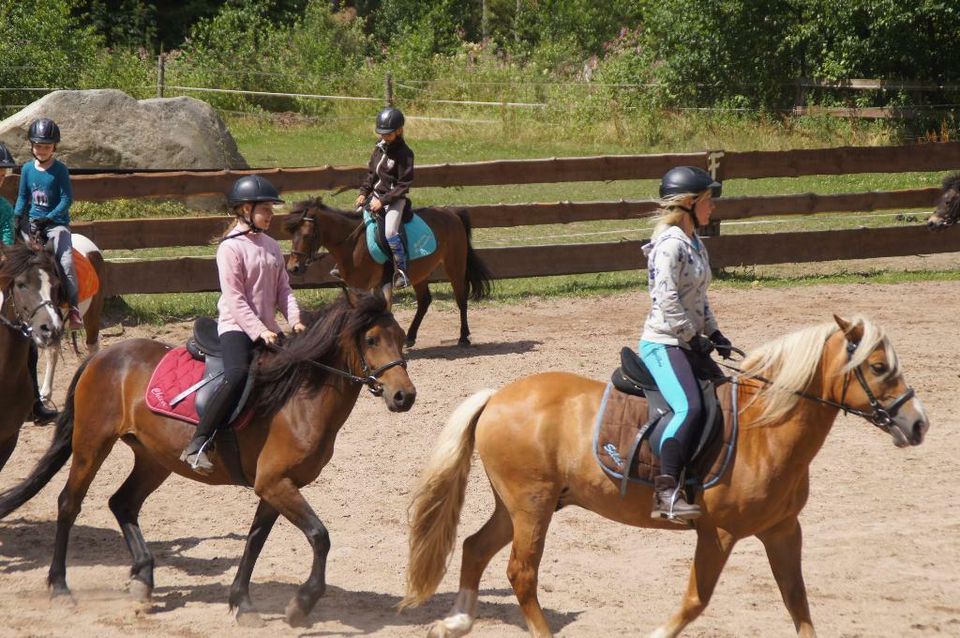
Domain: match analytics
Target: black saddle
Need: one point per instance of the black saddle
(633, 377)
(204, 346)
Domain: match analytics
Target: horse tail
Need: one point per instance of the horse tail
(437, 502)
(478, 276)
(52, 460)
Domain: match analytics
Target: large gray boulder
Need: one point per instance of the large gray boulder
(106, 128)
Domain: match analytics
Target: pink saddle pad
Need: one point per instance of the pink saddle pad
(176, 372)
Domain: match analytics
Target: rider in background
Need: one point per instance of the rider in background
(8, 234)
(253, 285)
(675, 329)
(43, 204)
(388, 180)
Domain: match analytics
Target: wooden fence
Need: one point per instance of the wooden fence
(191, 274)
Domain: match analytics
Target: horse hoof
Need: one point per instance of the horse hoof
(408, 343)
(463, 342)
(63, 598)
(296, 617)
(439, 629)
(250, 620)
(139, 591)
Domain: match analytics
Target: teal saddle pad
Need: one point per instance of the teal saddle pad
(421, 241)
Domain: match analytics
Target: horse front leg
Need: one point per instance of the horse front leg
(783, 544)
(51, 355)
(263, 522)
(424, 298)
(284, 495)
(713, 548)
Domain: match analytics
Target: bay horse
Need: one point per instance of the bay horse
(302, 396)
(314, 224)
(90, 309)
(534, 437)
(28, 288)
(947, 211)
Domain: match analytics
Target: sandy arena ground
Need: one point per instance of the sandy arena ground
(881, 530)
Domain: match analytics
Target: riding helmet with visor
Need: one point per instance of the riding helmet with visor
(6, 159)
(44, 131)
(389, 120)
(253, 188)
(683, 180)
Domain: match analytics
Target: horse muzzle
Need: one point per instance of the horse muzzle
(399, 400)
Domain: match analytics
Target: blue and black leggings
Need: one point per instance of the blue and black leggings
(671, 369)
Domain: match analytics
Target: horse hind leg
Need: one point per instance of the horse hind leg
(147, 475)
(458, 281)
(478, 549)
(529, 536)
(88, 455)
(713, 549)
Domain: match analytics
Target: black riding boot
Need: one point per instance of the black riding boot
(216, 414)
(669, 501)
(41, 413)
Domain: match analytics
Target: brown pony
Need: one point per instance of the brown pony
(91, 310)
(302, 397)
(313, 224)
(947, 211)
(534, 438)
(28, 287)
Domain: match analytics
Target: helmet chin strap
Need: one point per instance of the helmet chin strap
(693, 215)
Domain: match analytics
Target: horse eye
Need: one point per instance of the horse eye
(879, 368)
(21, 285)
(371, 341)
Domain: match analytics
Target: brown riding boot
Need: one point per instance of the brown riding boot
(669, 501)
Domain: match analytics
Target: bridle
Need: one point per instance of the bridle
(21, 325)
(879, 415)
(307, 258)
(368, 377)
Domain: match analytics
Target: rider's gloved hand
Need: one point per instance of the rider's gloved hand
(722, 343)
(38, 228)
(701, 345)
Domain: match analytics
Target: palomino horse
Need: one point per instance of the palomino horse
(303, 395)
(90, 308)
(313, 224)
(535, 437)
(947, 211)
(28, 288)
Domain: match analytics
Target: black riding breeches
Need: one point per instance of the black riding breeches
(237, 349)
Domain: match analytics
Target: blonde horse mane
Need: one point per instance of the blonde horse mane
(789, 363)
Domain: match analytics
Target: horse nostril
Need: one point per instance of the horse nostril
(918, 431)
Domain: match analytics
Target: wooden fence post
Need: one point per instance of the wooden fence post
(388, 89)
(160, 71)
(712, 229)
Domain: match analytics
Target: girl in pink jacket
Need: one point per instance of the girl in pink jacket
(253, 285)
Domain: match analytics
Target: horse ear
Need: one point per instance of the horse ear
(853, 332)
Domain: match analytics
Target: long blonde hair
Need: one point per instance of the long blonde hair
(673, 209)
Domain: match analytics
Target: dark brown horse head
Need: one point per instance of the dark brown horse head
(306, 225)
(947, 211)
(358, 336)
(31, 287)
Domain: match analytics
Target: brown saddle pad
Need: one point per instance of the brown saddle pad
(622, 416)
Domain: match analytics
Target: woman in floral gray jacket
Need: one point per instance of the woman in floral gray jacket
(679, 319)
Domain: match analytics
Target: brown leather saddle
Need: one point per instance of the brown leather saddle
(633, 415)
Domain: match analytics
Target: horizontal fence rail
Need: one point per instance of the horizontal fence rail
(199, 274)
(732, 165)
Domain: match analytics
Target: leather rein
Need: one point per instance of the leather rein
(22, 326)
(880, 415)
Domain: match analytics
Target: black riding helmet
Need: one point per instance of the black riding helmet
(6, 159)
(44, 131)
(253, 188)
(683, 180)
(389, 120)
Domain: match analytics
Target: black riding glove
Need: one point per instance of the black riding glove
(38, 230)
(701, 345)
(722, 343)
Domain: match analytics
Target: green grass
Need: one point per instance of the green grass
(348, 141)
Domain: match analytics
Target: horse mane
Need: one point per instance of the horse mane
(301, 208)
(282, 374)
(790, 362)
(19, 258)
(951, 182)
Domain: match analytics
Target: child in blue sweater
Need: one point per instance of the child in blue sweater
(45, 197)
